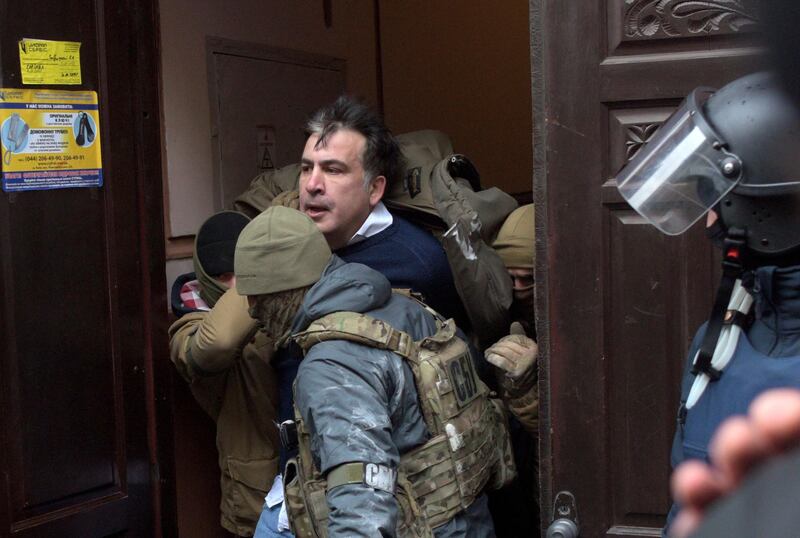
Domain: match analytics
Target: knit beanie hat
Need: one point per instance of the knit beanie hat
(214, 246)
(281, 249)
(515, 240)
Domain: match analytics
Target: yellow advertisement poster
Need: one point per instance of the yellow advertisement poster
(50, 139)
(49, 62)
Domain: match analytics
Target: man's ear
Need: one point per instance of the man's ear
(376, 189)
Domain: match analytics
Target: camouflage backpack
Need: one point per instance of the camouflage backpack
(469, 449)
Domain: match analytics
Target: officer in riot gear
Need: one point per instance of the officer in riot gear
(731, 154)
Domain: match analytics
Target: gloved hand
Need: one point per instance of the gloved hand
(515, 353)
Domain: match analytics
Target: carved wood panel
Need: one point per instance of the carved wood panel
(653, 19)
(629, 130)
(654, 301)
(669, 26)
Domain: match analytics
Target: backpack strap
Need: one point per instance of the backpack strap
(359, 328)
(420, 300)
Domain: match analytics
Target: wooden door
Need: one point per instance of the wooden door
(618, 302)
(82, 288)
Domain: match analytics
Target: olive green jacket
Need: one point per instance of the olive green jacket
(226, 361)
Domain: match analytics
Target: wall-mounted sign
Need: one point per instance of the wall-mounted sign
(50, 139)
(49, 62)
(265, 135)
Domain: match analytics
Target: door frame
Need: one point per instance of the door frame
(536, 13)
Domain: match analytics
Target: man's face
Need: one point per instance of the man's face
(523, 283)
(332, 189)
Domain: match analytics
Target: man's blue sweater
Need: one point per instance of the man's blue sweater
(410, 257)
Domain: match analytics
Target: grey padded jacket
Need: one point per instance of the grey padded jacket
(360, 403)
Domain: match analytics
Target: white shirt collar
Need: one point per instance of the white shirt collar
(378, 220)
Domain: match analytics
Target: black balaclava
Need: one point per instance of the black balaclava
(214, 247)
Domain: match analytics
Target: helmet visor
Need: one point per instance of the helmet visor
(677, 176)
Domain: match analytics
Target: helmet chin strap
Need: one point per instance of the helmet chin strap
(738, 308)
(731, 306)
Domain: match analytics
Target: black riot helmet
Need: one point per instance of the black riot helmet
(761, 126)
(737, 150)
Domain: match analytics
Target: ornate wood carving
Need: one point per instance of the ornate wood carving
(637, 135)
(648, 19)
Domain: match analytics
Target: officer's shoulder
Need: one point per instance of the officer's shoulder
(339, 353)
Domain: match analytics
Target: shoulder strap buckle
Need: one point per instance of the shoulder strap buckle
(703, 365)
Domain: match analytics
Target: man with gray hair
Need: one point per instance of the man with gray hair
(369, 446)
(348, 160)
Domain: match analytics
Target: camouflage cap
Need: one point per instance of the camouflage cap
(281, 249)
(515, 240)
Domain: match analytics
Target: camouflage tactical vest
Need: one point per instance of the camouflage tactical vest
(469, 448)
